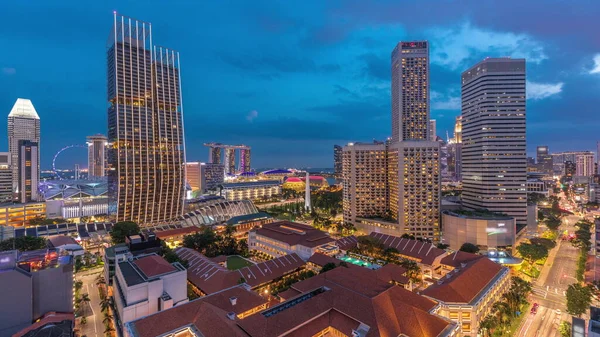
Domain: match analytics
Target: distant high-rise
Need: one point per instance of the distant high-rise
(585, 164)
(145, 126)
(245, 160)
(23, 124)
(598, 156)
(494, 162)
(337, 160)
(570, 169)
(96, 155)
(544, 160)
(410, 91)
(6, 185)
(229, 161)
(432, 129)
(29, 173)
(458, 130)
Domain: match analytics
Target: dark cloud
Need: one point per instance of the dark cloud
(375, 66)
(273, 65)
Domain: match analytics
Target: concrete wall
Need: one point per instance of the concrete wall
(53, 290)
(490, 232)
(17, 299)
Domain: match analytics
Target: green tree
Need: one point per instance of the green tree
(122, 229)
(565, 329)
(488, 325)
(579, 299)
(24, 243)
(469, 248)
(553, 222)
(531, 253)
(168, 254)
(327, 267)
(543, 242)
(443, 246)
(78, 285)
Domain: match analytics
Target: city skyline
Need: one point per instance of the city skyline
(292, 102)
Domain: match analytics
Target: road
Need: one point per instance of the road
(549, 290)
(94, 326)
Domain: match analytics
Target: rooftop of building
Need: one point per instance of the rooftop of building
(477, 214)
(210, 277)
(248, 217)
(458, 257)
(81, 188)
(347, 242)
(349, 299)
(61, 240)
(467, 283)
(23, 108)
(164, 234)
(145, 268)
(425, 252)
(207, 316)
(293, 233)
(249, 184)
(277, 171)
(322, 259)
(34, 260)
(294, 180)
(52, 324)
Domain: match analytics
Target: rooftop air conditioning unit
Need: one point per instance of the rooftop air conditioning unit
(231, 315)
(233, 300)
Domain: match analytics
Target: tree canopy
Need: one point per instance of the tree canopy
(24, 243)
(469, 248)
(122, 229)
(579, 299)
(531, 252)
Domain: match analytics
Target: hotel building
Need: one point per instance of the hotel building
(253, 190)
(145, 126)
(494, 161)
(585, 164)
(96, 155)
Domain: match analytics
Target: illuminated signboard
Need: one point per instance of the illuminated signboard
(414, 45)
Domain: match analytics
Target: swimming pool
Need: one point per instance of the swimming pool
(357, 262)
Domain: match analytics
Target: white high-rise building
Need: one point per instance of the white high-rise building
(494, 161)
(584, 164)
(96, 155)
(23, 125)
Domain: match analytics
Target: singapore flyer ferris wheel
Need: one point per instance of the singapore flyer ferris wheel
(56, 172)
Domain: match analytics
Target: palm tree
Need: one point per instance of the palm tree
(107, 319)
(513, 299)
(105, 304)
(78, 285)
(487, 325)
(100, 280)
(108, 330)
(503, 314)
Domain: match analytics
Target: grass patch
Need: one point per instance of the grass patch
(237, 262)
(517, 321)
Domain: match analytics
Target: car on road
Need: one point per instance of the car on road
(558, 312)
(534, 308)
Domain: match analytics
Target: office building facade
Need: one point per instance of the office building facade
(145, 126)
(494, 162)
(432, 129)
(6, 185)
(544, 160)
(29, 171)
(96, 155)
(23, 124)
(337, 160)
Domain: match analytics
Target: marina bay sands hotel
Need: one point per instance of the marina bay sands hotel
(214, 156)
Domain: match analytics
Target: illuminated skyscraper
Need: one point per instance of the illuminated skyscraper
(494, 161)
(245, 160)
(96, 155)
(337, 160)
(585, 164)
(544, 160)
(432, 129)
(23, 124)
(6, 185)
(410, 91)
(145, 126)
(29, 171)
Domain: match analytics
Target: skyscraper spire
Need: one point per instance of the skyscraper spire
(307, 192)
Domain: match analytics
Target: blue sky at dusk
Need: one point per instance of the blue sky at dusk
(293, 78)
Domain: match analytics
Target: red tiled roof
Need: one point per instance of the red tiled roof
(286, 295)
(154, 265)
(293, 180)
(464, 284)
(48, 318)
(352, 296)
(210, 277)
(392, 272)
(457, 258)
(207, 314)
(423, 251)
(347, 242)
(176, 232)
(219, 259)
(294, 234)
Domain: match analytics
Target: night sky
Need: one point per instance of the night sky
(293, 78)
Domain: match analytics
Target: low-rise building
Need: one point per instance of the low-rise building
(33, 284)
(147, 284)
(467, 294)
(427, 256)
(135, 245)
(209, 316)
(481, 228)
(244, 223)
(208, 276)
(253, 190)
(285, 237)
(66, 244)
(537, 186)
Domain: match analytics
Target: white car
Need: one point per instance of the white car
(558, 312)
